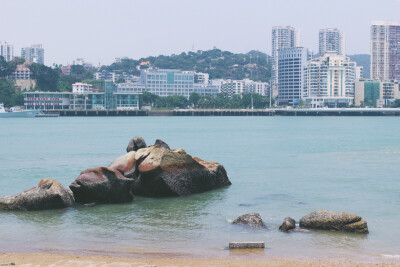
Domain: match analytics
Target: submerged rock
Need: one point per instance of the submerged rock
(49, 194)
(101, 185)
(288, 224)
(162, 172)
(251, 219)
(135, 144)
(337, 221)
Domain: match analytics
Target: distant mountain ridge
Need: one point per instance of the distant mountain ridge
(254, 65)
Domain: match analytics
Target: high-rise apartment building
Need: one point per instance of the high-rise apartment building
(6, 51)
(282, 37)
(385, 50)
(331, 41)
(291, 74)
(329, 81)
(33, 54)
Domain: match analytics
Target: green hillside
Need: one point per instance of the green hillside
(254, 65)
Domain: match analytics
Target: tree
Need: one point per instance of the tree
(7, 95)
(396, 103)
(7, 68)
(46, 77)
(194, 99)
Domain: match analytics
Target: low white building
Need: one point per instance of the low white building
(201, 78)
(233, 87)
(81, 88)
(261, 88)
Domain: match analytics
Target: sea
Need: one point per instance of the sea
(279, 167)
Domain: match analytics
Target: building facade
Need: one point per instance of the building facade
(6, 51)
(282, 37)
(331, 41)
(81, 88)
(110, 99)
(105, 75)
(385, 50)
(374, 93)
(261, 88)
(291, 74)
(33, 54)
(232, 87)
(329, 81)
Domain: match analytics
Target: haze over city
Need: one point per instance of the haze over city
(101, 30)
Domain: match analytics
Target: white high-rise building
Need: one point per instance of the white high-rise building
(329, 81)
(6, 51)
(282, 37)
(33, 54)
(385, 50)
(331, 41)
(291, 74)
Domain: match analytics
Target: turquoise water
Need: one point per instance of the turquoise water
(279, 167)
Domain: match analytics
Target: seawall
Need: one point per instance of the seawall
(237, 112)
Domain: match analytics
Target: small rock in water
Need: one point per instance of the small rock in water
(288, 224)
(245, 205)
(251, 219)
(336, 221)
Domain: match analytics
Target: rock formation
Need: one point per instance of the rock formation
(101, 185)
(288, 224)
(337, 221)
(162, 172)
(49, 194)
(251, 219)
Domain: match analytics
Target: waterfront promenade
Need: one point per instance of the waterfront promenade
(238, 112)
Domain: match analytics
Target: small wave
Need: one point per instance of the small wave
(391, 256)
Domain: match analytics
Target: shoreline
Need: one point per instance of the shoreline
(45, 259)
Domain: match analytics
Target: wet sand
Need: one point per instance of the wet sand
(77, 260)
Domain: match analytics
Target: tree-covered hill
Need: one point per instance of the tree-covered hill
(254, 65)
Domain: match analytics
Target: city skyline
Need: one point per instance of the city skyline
(140, 29)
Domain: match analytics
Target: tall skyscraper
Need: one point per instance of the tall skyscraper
(291, 74)
(282, 37)
(6, 51)
(34, 54)
(385, 50)
(331, 41)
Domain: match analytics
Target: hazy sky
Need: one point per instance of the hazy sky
(100, 30)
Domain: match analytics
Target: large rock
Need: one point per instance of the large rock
(288, 224)
(101, 185)
(126, 165)
(251, 219)
(337, 221)
(162, 172)
(135, 144)
(49, 194)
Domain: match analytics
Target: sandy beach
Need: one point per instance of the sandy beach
(78, 260)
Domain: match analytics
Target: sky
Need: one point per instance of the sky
(101, 30)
